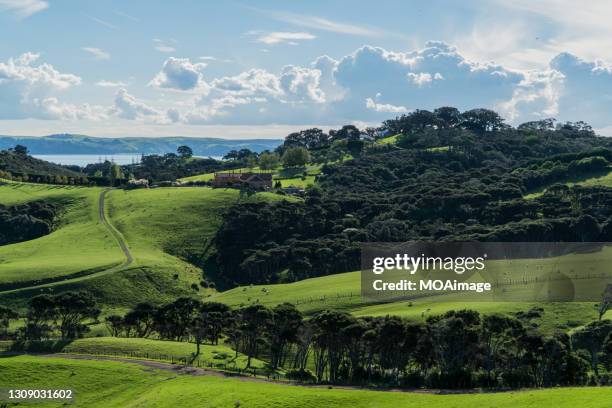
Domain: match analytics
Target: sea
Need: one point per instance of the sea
(84, 159)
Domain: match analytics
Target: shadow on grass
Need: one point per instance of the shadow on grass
(40, 346)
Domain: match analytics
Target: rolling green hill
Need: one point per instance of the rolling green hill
(342, 292)
(597, 180)
(23, 164)
(81, 244)
(218, 355)
(109, 383)
(160, 228)
(166, 224)
(287, 177)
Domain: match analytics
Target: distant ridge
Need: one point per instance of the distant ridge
(82, 144)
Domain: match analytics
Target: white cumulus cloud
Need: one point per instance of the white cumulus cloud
(385, 107)
(28, 90)
(180, 74)
(127, 106)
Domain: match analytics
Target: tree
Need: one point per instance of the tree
(72, 309)
(296, 157)
(251, 161)
(184, 151)
(172, 321)
(538, 125)
(329, 342)
(448, 117)
(347, 132)
(586, 228)
(6, 315)
(231, 155)
(283, 330)
(606, 302)
(114, 324)
(253, 321)
(591, 338)
(115, 173)
(20, 149)
(497, 333)
(268, 161)
(482, 120)
(141, 319)
(208, 323)
(41, 313)
(455, 346)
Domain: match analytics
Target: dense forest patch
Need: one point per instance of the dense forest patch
(472, 189)
(24, 222)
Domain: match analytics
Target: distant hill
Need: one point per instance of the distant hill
(81, 144)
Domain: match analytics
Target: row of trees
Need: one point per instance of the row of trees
(477, 120)
(45, 179)
(66, 316)
(460, 349)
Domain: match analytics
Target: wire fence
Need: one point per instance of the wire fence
(230, 368)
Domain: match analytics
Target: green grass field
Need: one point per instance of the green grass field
(114, 384)
(388, 140)
(599, 180)
(287, 177)
(162, 224)
(342, 292)
(219, 355)
(81, 242)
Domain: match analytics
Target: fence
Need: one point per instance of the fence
(186, 361)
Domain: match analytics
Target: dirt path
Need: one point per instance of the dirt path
(180, 369)
(62, 280)
(116, 234)
(175, 368)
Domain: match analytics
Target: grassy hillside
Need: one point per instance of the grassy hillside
(388, 140)
(81, 244)
(161, 227)
(598, 180)
(24, 164)
(342, 291)
(219, 355)
(164, 224)
(287, 177)
(106, 383)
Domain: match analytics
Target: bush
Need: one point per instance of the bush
(461, 378)
(301, 375)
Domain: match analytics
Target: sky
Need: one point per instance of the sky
(265, 68)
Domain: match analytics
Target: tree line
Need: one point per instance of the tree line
(458, 349)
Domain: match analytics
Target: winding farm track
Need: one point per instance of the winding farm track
(197, 371)
(120, 240)
(79, 276)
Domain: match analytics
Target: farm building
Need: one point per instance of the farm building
(258, 181)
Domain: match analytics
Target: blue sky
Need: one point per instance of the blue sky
(265, 68)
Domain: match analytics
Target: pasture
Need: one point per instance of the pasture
(81, 243)
(110, 383)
